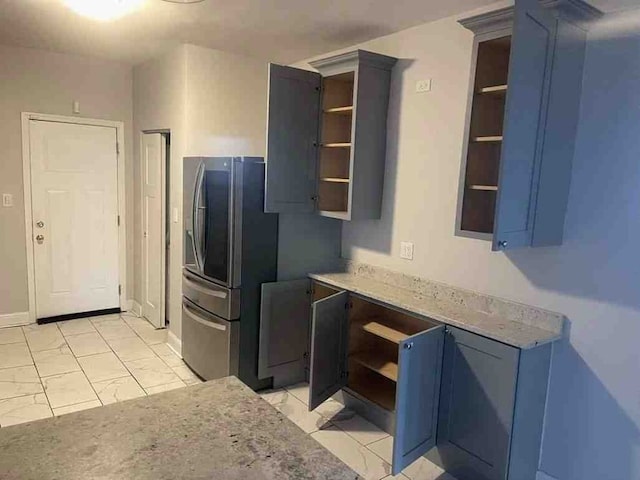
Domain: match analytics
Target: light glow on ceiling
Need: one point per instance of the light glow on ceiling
(104, 10)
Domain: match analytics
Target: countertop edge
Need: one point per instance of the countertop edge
(547, 336)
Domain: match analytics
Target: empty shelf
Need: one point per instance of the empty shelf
(343, 110)
(336, 145)
(385, 332)
(495, 138)
(489, 188)
(378, 390)
(494, 89)
(335, 180)
(373, 362)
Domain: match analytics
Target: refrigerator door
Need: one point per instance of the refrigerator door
(212, 213)
(209, 343)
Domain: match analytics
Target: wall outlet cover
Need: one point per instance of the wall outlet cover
(406, 250)
(7, 200)
(423, 85)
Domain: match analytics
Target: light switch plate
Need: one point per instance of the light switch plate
(423, 85)
(7, 200)
(406, 250)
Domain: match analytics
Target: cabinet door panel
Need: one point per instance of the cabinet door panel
(329, 336)
(525, 121)
(417, 396)
(284, 331)
(292, 135)
(476, 406)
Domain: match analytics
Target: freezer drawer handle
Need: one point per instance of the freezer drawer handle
(198, 319)
(212, 293)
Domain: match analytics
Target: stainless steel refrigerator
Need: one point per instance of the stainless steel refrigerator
(230, 249)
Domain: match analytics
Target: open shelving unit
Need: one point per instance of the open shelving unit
(336, 137)
(485, 136)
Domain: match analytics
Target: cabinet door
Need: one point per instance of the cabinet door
(417, 396)
(532, 51)
(284, 331)
(292, 137)
(476, 406)
(329, 336)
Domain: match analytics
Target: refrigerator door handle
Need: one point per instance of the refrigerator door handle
(196, 238)
(209, 323)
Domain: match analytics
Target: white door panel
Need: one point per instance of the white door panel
(153, 226)
(74, 189)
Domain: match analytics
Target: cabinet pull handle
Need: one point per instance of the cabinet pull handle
(408, 346)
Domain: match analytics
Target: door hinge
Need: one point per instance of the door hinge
(118, 219)
(119, 289)
(348, 305)
(118, 148)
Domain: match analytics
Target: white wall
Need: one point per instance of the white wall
(593, 414)
(214, 103)
(46, 82)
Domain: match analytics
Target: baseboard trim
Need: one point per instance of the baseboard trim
(135, 307)
(15, 319)
(543, 476)
(174, 343)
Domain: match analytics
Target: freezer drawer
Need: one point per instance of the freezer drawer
(210, 344)
(210, 296)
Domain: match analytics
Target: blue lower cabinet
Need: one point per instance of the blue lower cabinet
(492, 402)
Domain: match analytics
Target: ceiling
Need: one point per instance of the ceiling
(279, 30)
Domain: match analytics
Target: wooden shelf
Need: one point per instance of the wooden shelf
(340, 110)
(488, 188)
(496, 89)
(375, 388)
(373, 361)
(495, 138)
(335, 180)
(337, 145)
(383, 331)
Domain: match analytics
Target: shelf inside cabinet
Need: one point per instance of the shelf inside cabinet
(490, 138)
(335, 180)
(487, 188)
(373, 361)
(376, 388)
(336, 145)
(340, 110)
(495, 89)
(384, 331)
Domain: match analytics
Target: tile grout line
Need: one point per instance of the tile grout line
(44, 390)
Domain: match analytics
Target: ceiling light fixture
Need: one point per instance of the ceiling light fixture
(104, 10)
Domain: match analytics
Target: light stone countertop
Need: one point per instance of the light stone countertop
(444, 310)
(219, 430)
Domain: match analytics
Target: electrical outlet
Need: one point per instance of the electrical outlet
(7, 200)
(406, 250)
(423, 86)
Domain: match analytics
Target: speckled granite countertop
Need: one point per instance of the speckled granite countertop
(219, 430)
(514, 324)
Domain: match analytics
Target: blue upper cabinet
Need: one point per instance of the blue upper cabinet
(326, 136)
(523, 111)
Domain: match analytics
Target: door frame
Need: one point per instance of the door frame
(28, 212)
(166, 210)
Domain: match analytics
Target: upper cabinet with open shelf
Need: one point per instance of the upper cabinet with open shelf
(326, 136)
(523, 110)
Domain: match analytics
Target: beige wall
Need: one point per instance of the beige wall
(215, 104)
(592, 426)
(45, 82)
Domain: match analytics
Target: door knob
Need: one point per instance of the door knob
(40, 239)
(40, 224)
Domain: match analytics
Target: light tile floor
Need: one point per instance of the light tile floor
(361, 445)
(64, 367)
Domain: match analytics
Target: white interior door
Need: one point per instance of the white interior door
(74, 189)
(153, 227)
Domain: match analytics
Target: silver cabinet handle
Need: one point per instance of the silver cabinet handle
(203, 321)
(212, 293)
